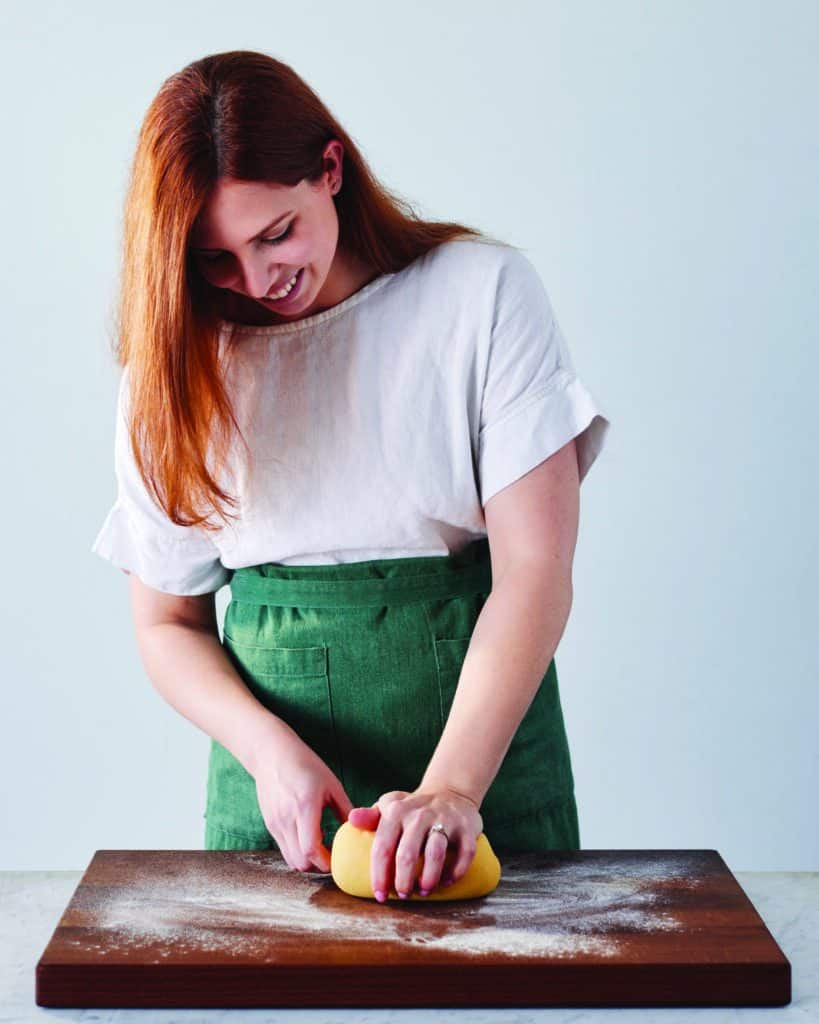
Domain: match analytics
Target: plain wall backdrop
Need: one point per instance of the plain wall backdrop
(658, 163)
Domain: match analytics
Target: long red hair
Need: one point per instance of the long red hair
(247, 116)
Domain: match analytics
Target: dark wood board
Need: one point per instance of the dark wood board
(192, 928)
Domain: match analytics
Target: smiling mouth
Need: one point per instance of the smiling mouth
(284, 298)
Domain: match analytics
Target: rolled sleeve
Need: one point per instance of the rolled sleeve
(533, 401)
(538, 428)
(138, 536)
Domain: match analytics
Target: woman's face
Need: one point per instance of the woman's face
(253, 237)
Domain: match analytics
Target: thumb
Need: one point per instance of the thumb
(365, 817)
(340, 803)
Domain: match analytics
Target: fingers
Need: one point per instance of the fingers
(313, 852)
(340, 804)
(435, 852)
(466, 854)
(286, 847)
(383, 854)
(301, 842)
(406, 854)
(299, 850)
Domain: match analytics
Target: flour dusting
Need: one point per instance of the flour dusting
(241, 906)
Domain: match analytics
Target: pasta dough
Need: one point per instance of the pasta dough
(350, 867)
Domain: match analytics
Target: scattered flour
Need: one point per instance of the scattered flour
(572, 908)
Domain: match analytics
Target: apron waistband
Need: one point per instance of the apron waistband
(372, 591)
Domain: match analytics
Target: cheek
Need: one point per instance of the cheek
(299, 254)
(302, 253)
(215, 274)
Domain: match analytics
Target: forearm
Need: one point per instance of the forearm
(189, 668)
(513, 642)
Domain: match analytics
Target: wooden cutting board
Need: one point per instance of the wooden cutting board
(181, 928)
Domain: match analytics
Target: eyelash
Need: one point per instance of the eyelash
(278, 238)
(265, 241)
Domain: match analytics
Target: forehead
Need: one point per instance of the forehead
(237, 210)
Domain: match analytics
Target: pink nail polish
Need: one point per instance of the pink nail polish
(380, 895)
(403, 895)
(425, 892)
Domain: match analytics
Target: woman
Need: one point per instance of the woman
(390, 407)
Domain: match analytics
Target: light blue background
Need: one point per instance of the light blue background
(658, 162)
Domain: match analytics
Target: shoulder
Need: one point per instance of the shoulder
(491, 268)
(472, 255)
(468, 283)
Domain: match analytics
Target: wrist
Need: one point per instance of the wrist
(265, 734)
(429, 784)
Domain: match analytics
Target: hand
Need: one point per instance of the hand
(402, 821)
(293, 785)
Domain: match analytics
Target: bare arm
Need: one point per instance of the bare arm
(532, 527)
(178, 641)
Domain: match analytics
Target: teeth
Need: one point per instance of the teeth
(287, 288)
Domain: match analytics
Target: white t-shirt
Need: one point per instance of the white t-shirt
(380, 427)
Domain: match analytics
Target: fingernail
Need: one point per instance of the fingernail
(380, 895)
(425, 892)
(449, 881)
(403, 895)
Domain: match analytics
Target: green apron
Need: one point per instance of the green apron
(362, 660)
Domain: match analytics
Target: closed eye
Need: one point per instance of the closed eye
(213, 257)
(278, 238)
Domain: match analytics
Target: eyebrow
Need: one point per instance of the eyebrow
(264, 231)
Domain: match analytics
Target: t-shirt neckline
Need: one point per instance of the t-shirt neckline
(315, 319)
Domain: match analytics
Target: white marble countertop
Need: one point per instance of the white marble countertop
(32, 902)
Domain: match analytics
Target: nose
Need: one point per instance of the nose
(256, 278)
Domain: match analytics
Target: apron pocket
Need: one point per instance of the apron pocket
(449, 658)
(293, 683)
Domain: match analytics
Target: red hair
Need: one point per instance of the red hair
(247, 116)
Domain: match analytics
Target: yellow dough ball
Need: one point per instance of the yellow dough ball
(350, 868)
